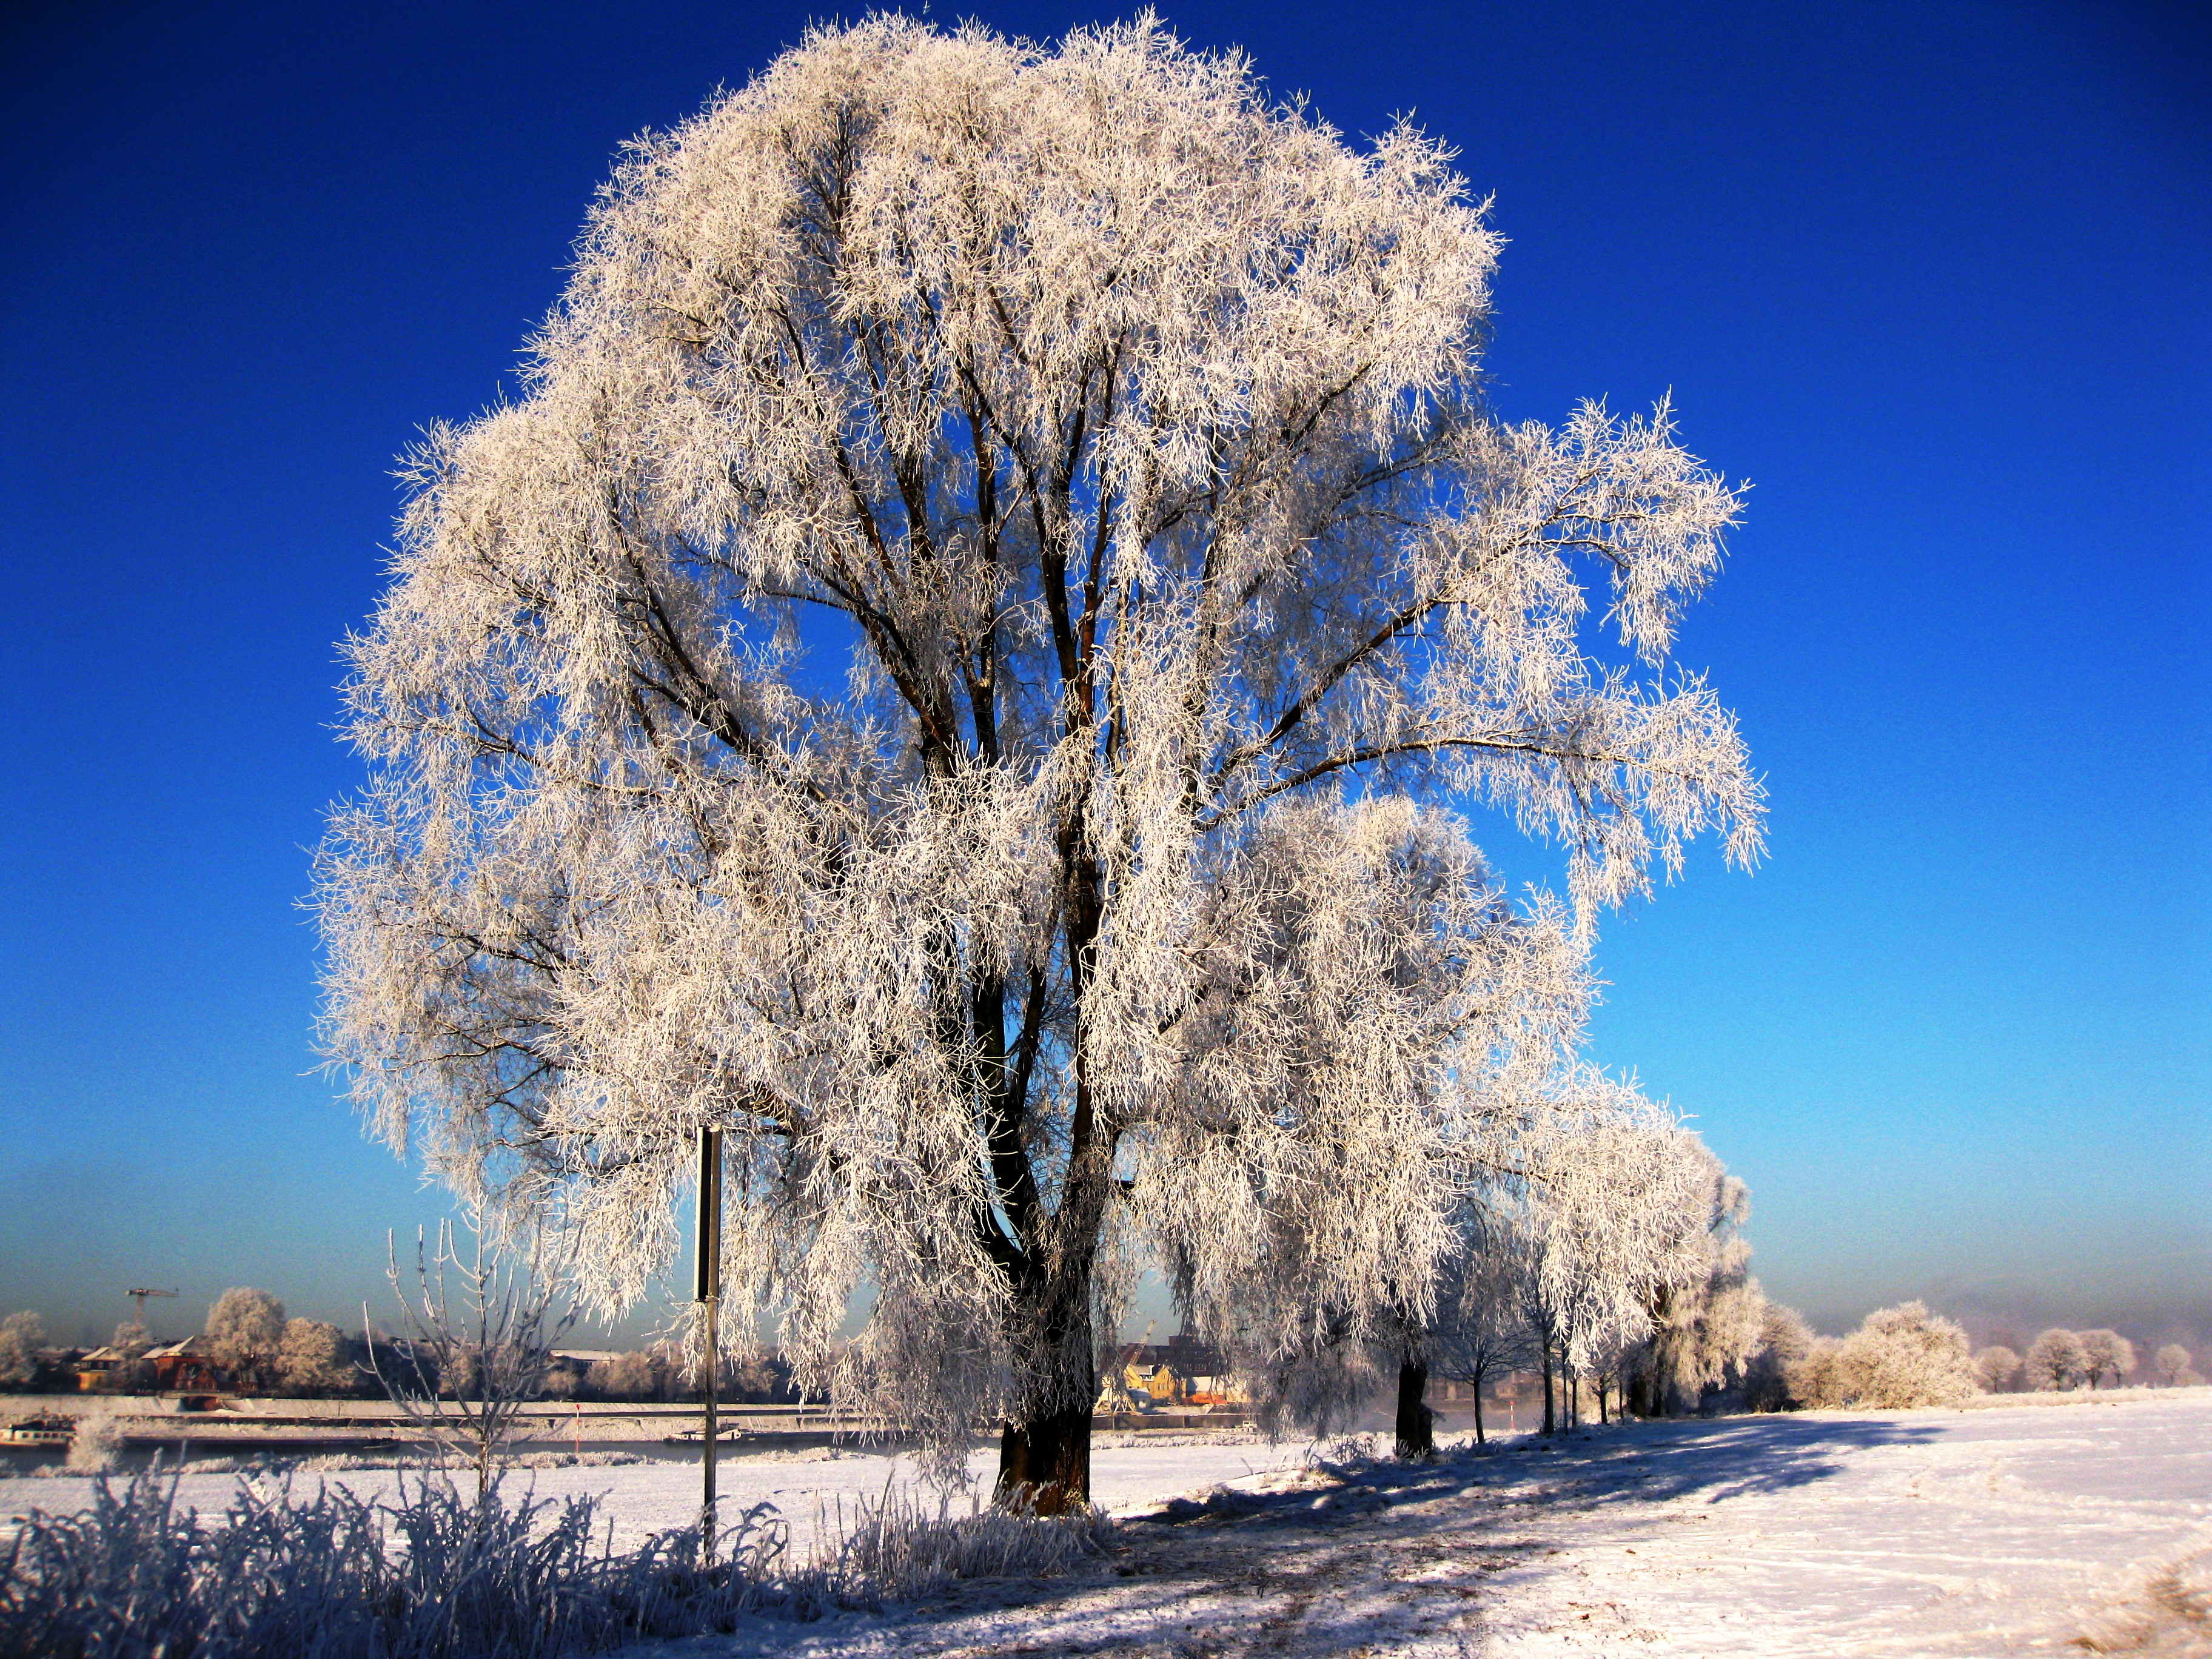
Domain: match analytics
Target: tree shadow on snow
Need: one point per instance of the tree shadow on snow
(1710, 1458)
(1286, 1543)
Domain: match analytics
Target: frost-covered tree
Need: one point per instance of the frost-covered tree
(247, 1329)
(1314, 1341)
(2172, 1366)
(310, 1359)
(2106, 1354)
(933, 676)
(1784, 1342)
(22, 1335)
(1617, 1200)
(2055, 1360)
(1996, 1368)
(1707, 1314)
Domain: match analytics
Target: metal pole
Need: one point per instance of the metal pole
(707, 1292)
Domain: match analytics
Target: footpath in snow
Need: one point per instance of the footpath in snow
(2017, 1529)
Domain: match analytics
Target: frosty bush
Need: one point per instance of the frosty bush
(1905, 1356)
(1814, 1380)
(1996, 1368)
(896, 1548)
(97, 1443)
(1899, 1358)
(330, 1577)
(2055, 1360)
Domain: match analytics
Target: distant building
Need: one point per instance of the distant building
(1151, 1376)
(186, 1367)
(93, 1366)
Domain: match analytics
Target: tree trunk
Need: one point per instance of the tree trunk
(1416, 1422)
(1479, 1439)
(1551, 1422)
(1044, 1450)
(1044, 1465)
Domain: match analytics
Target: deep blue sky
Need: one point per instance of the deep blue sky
(1934, 279)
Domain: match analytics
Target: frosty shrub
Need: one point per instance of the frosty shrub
(1905, 1356)
(280, 1576)
(1785, 1341)
(477, 1344)
(1997, 1369)
(2106, 1354)
(1115, 438)
(2172, 1368)
(897, 1546)
(22, 1336)
(247, 1330)
(2055, 1360)
(1898, 1358)
(97, 1443)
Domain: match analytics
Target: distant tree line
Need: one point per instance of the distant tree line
(261, 1351)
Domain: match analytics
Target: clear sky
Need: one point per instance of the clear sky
(1933, 277)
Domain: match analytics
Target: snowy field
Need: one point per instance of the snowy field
(1994, 1531)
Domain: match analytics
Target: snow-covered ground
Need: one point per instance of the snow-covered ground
(1993, 1531)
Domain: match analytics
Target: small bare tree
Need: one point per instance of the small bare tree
(1480, 1335)
(462, 1375)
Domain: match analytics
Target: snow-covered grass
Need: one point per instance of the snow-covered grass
(805, 1485)
(1919, 1533)
(321, 1575)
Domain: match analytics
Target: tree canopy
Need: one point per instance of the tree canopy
(954, 670)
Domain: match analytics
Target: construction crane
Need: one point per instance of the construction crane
(140, 1296)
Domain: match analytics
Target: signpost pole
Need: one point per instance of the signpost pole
(707, 1292)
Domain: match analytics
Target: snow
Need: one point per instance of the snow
(655, 1495)
(1999, 1530)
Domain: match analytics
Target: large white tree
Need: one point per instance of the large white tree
(932, 675)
